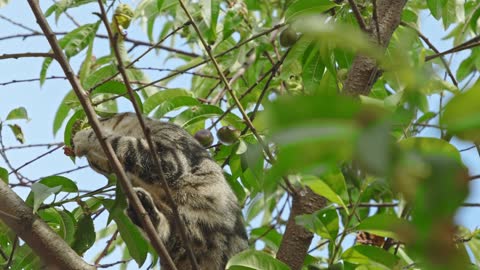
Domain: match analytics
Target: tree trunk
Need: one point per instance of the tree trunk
(363, 73)
(296, 239)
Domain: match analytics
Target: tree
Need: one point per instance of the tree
(320, 111)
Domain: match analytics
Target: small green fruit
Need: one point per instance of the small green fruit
(288, 37)
(228, 135)
(204, 137)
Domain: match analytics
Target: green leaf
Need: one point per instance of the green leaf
(67, 136)
(331, 191)
(99, 76)
(62, 222)
(462, 115)
(156, 99)
(257, 260)
(41, 193)
(298, 125)
(175, 103)
(435, 7)
(113, 87)
(17, 132)
(385, 225)
(63, 110)
(67, 226)
(43, 72)
(430, 146)
(474, 245)
(84, 237)
(3, 3)
(370, 255)
(136, 243)
(270, 237)
(307, 7)
(78, 39)
(323, 223)
(160, 4)
(18, 113)
(4, 175)
(197, 113)
(64, 183)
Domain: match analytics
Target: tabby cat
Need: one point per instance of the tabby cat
(205, 201)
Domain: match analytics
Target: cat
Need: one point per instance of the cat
(205, 201)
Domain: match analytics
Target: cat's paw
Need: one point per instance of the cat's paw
(80, 142)
(148, 205)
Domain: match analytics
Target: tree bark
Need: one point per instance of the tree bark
(48, 245)
(363, 73)
(296, 239)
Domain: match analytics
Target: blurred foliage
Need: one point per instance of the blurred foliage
(375, 150)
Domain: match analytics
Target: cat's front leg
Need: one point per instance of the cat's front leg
(159, 220)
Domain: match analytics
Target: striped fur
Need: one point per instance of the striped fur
(204, 199)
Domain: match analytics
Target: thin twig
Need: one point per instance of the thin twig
(108, 265)
(433, 48)
(32, 80)
(182, 72)
(27, 54)
(200, 63)
(227, 84)
(107, 247)
(14, 248)
(358, 15)
(152, 146)
(95, 124)
(35, 159)
(474, 42)
(18, 24)
(33, 145)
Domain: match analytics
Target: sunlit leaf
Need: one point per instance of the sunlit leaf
(17, 132)
(427, 146)
(254, 260)
(64, 183)
(307, 7)
(41, 193)
(370, 255)
(462, 114)
(324, 223)
(333, 191)
(78, 39)
(197, 113)
(4, 175)
(62, 111)
(165, 95)
(18, 113)
(385, 225)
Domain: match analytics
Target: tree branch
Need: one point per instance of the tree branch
(22, 55)
(46, 243)
(114, 39)
(107, 148)
(297, 239)
(363, 72)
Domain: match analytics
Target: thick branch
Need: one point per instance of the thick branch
(47, 244)
(107, 148)
(297, 239)
(363, 72)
